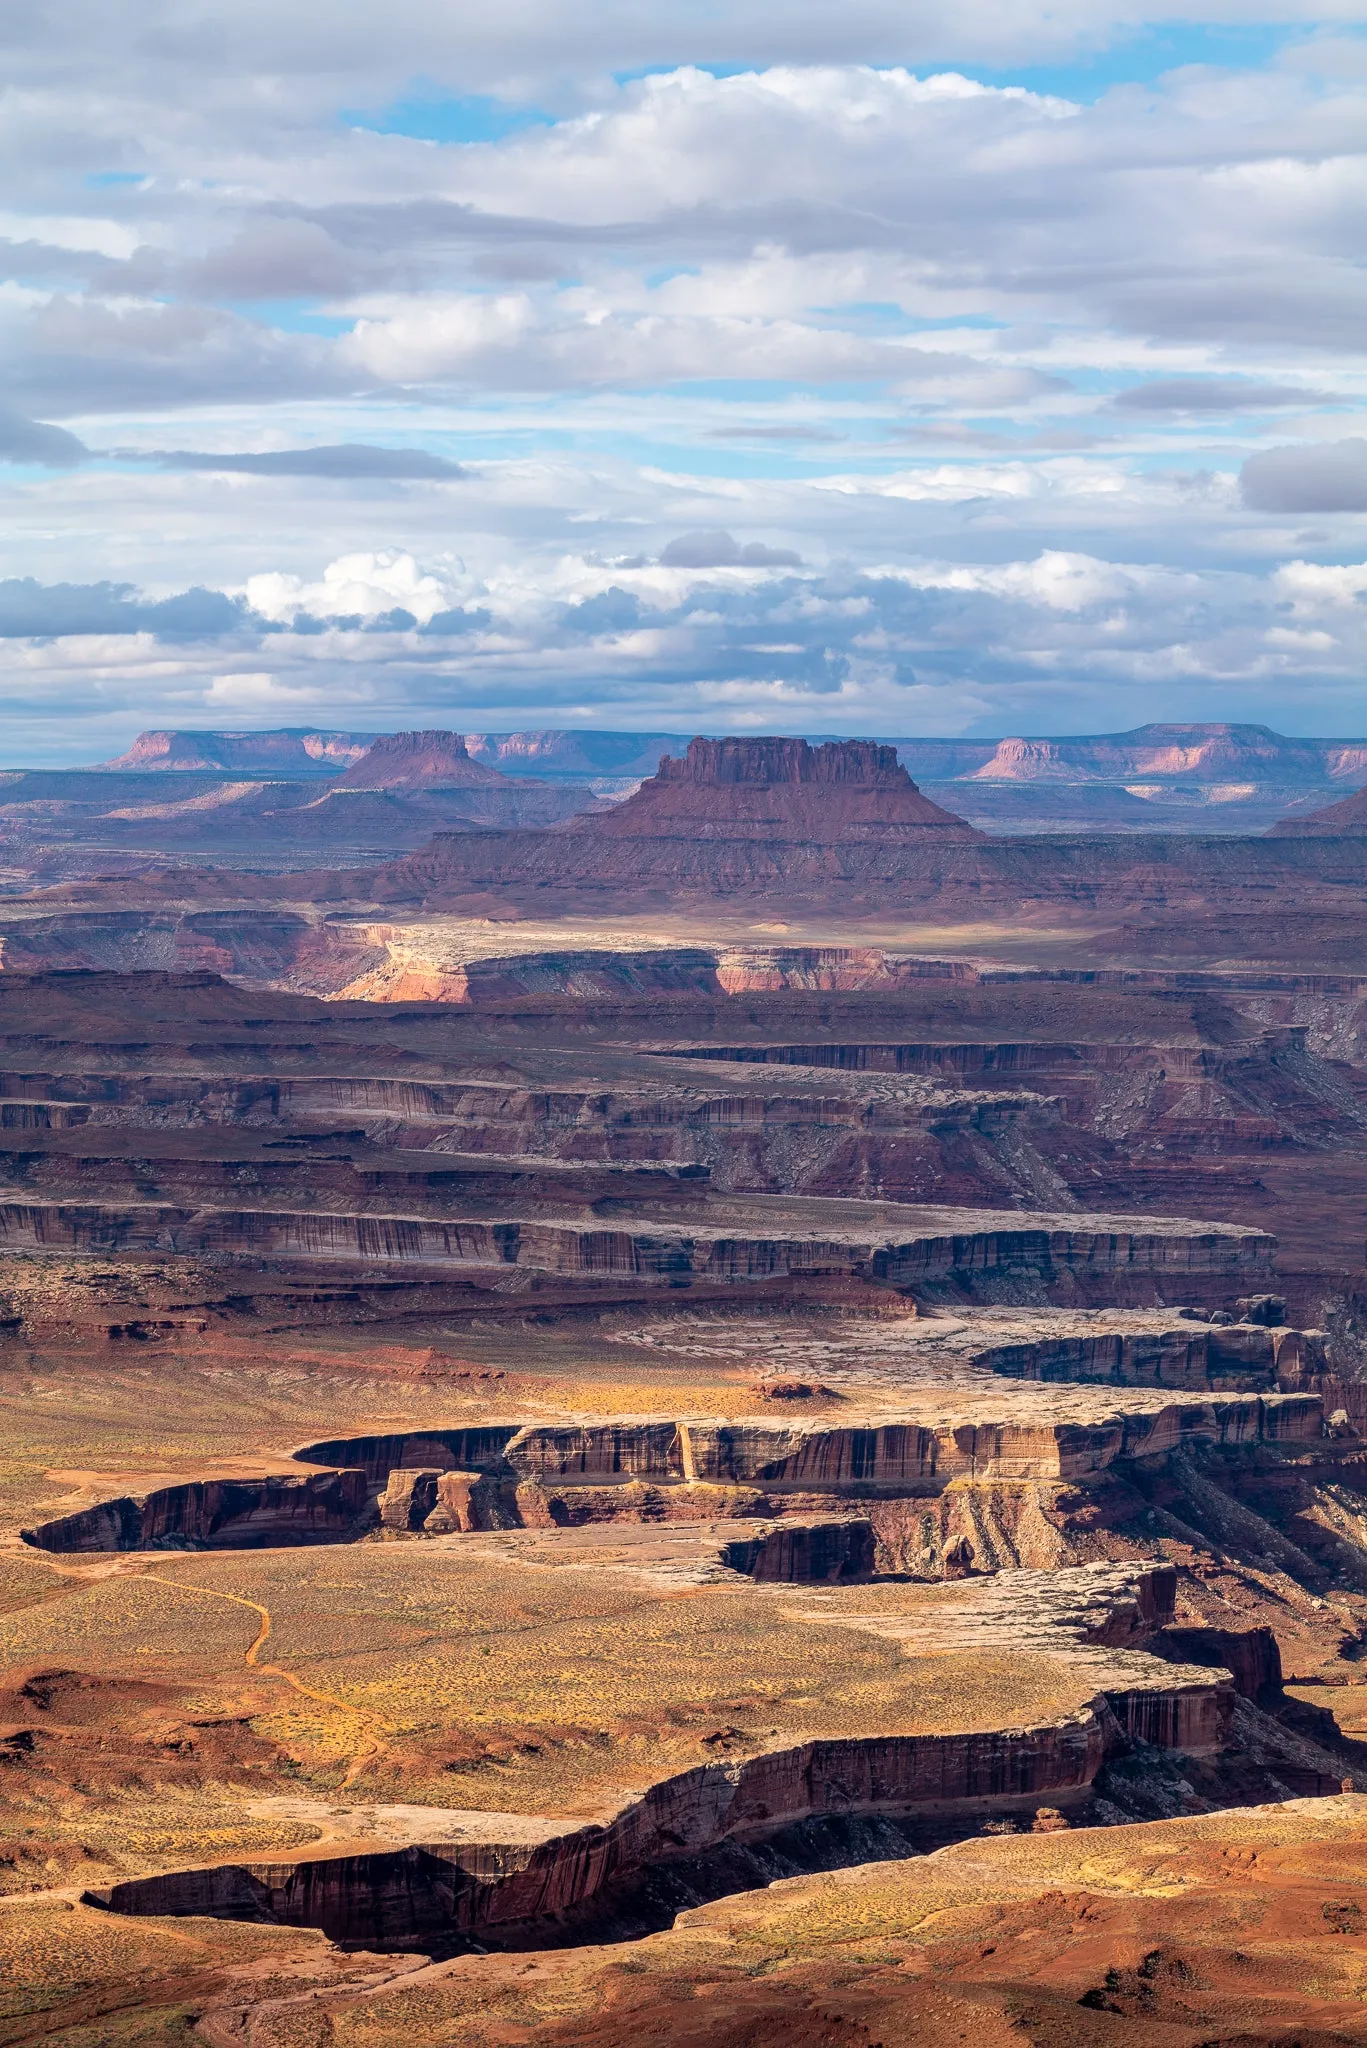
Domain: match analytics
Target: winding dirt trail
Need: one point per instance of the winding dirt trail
(375, 1747)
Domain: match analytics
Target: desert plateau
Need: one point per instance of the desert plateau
(683, 1024)
(719, 1412)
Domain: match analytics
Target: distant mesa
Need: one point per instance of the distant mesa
(1347, 818)
(296, 750)
(1026, 761)
(1200, 753)
(780, 790)
(419, 760)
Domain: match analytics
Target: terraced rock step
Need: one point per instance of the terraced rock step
(947, 1245)
(1239, 1357)
(885, 1453)
(466, 1876)
(508, 1475)
(209, 1514)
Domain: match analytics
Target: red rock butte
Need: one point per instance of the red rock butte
(781, 789)
(418, 760)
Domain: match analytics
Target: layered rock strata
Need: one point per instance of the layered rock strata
(1243, 1356)
(809, 1456)
(216, 1514)
(189, 1096)
(1166, 1252)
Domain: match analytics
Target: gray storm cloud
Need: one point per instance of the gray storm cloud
(25, 440)
(346, 460)
(1215, 395)
(1328, 476)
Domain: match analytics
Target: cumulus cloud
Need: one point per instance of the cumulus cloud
(438, 336)
(881, 649)
(361, 587)
(1323, 476)
(1062, 582)
(1317, 586)
(257, 690)
(719, 550)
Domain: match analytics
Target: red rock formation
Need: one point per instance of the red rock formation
(419, 760)
(732, 815)
(780, 790)
(1027, 761)
(475, 1887)
(483, 1887)
(215, 1514)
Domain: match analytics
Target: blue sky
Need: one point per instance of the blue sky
(989, 368)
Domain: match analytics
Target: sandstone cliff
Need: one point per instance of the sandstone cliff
(293, 750)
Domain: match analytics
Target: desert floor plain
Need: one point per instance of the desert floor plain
(730, 1415)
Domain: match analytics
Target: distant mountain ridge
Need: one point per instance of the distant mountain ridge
(1347, 816)
(291, 751)
(1164, 753)
(1195, 753)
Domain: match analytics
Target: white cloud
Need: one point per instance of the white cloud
(364, 586)
(808, 283)
(1062, 582)
(1315, 586)
(1300, 642)
(256, 691)
(437, 337)
(80, 232)
(945, 481)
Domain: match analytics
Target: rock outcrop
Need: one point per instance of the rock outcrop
(731, 815)
(215, 1514)
(1045, 1255)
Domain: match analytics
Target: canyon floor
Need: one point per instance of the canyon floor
(494, 1479)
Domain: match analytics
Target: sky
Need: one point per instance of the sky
(902, 367)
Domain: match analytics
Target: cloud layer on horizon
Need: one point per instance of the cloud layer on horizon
(744, 645)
